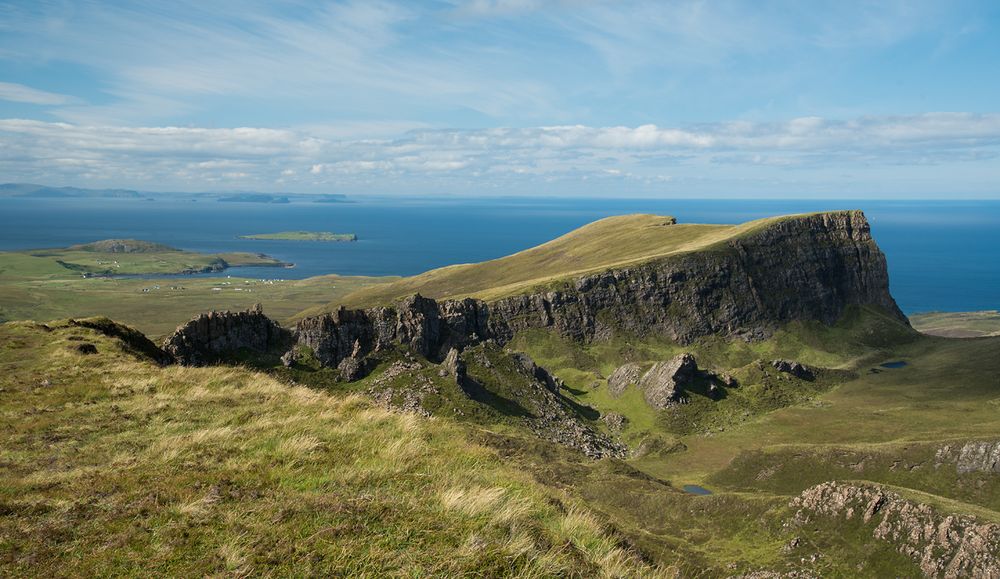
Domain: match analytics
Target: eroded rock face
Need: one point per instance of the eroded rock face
(215, 334)
(663, 384)
(809, 268)
(794, 368)
(942, 545)
(976, 456)
(422, 324)
(624, 375)
(805, 268)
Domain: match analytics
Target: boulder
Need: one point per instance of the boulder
(663, 384)
(623, 376)
(454, 366)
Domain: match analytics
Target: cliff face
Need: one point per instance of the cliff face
(808, 268)
(800, 268)
(211, 335)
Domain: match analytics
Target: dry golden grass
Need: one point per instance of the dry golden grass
(119, 467)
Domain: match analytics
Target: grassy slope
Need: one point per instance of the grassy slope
(115, 466)
(111, 466)
(611, 242)
(958, 324)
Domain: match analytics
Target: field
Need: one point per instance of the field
(303, 236)
(958, 324)
(38, 287)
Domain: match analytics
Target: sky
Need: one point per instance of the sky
(837, 99)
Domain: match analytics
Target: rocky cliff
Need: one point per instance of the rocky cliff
(942, 545)
(216, 334)
(799, 268)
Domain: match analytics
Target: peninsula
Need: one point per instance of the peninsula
(113, 257)
(302, 236)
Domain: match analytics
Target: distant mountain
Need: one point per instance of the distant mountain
(43, 191)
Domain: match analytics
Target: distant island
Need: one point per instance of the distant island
(254, 198)
(113, 257)
(303, 236)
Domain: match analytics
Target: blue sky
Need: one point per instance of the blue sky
(511, 97)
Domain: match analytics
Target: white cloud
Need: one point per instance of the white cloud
(20, 93)
(512, 158)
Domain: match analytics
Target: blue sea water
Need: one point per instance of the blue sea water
(943, 255)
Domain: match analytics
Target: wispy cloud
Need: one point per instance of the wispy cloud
(19, 93)
(513, 160)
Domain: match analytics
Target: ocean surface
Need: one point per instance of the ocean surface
(943, 255)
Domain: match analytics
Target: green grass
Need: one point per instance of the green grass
(303, 236)
(114, 466)
(958, 324)
(35, 285)
(611, 242)
(144, 259)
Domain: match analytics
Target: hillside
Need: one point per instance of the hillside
(112, 465)
(603, 244)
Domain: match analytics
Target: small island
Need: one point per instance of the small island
(303, 236)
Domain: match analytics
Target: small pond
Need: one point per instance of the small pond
(895, 364)
(696, 490)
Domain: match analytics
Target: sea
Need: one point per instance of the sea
(942, 255)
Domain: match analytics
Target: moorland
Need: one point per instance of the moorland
(539, 414)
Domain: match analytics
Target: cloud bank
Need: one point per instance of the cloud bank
(812, 153)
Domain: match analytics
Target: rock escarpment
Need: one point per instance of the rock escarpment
(942, 545)
(210, 336)
(976, 456)
(811, 268)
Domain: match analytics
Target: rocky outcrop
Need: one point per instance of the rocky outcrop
(624, 375)
(796, 369)
(809, 267)
(662, 385)
(216, 335)
(942, 545)
(421, 324)
(976, 456)
(453, 366)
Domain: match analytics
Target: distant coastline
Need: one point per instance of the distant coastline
(301, 236)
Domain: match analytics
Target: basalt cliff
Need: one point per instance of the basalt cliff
(804, 268)
(809, 267)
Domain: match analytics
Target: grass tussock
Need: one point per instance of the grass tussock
(112, 466)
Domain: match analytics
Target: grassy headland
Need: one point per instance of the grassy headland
(958, 324)
(601, 245)
(303, 236)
